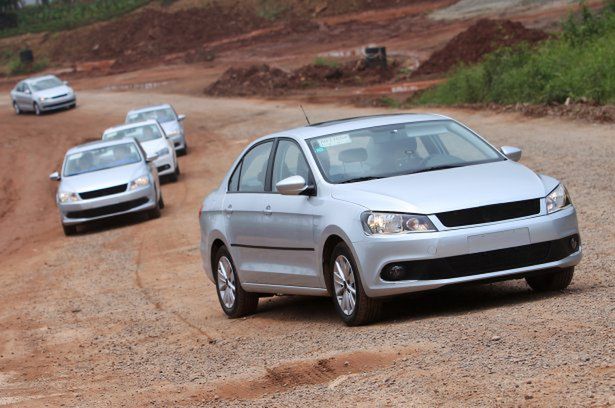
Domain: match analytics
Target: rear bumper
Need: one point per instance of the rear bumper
(373, 254)
(108, 206)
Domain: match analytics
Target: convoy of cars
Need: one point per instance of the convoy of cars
(358, 209)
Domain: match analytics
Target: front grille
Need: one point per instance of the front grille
(163, 167)
(62, 103)
(482, 262)
(177, 144)
(107, 210)
(490, 213)
(59, 96)
(103, 192)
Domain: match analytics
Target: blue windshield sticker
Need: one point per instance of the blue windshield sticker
(319, 149)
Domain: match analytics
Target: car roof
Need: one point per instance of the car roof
(355, 123)
(149, 108)
(132, 125)
(38, 78)
(98, 144)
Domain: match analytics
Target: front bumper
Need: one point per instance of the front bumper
(375, 252)
(108, 206)
(165, 165)
(60, 103)
(179, 141)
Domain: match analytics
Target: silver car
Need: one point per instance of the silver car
(367, 208)
(106, 178)
(152, 138)
(41, 94)
(171, 122)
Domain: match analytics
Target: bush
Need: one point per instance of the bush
(579, 65)
(16, 67)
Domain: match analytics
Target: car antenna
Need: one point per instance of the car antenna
(305, 114)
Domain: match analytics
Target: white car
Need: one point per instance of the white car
(171, 122)
(154, 141)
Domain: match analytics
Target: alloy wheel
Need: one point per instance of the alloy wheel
(226, 282)
(16, 107)
(345, 285)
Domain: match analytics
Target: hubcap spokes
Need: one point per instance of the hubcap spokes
(344, 285)
(226, 282)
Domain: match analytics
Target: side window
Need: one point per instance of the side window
(233, 184)
(289, 161)
(20, 87)
(253, 172)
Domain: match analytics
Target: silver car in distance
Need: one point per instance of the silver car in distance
(40, 94)
(153, 140)
(367, 208)
(106, 178)
(171, 122)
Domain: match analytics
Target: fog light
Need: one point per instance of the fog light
(395, 272)
(574, 243)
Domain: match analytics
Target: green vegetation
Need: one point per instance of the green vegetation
(579, 64)
(326, 62)
(271, 9)
(16, 67)
(64, 14)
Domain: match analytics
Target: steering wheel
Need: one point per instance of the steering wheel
(439, 159)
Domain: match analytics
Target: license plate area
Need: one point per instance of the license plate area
(499, 240)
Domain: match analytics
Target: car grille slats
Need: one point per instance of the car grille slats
(108, 209)
(59, 96)
(103, 192)
(489, 213)
(482, 262)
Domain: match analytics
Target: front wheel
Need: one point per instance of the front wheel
(175, 175)
(17, 108)
(234, 300)
(69, 229)
(351, 303)
(37, 109)
(558, 279)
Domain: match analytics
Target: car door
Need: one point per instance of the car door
(26, 97)
(20, 95)
(289, 243)
(243, 209)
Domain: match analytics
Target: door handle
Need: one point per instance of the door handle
(229, 209)
(267, 210)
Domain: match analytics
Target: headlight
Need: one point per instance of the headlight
(557, 199)
(140, 182)
(163, 152)
(66, 196)
(173, 133)
(42, 98)
(390, 223)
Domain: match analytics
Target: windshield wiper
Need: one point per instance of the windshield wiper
(433, 168)
(364, 178)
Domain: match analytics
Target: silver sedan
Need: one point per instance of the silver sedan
(41, 94)
(367, 208)
(106, 178)
(171, 122)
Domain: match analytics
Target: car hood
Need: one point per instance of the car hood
(153, 146)
(102, 178)
(446, 190)
(51, 92)
(169, 127)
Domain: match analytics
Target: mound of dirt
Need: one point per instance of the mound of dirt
(269, 81)
(481, 38)
(150, 33)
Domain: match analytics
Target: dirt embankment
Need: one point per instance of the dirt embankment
(481, 38)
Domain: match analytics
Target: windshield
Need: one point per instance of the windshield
(101, 158)
(161, 115)
(391, 150)
(46, 83)
(143, 133)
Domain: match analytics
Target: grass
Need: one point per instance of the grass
(62, 15)
(16, 67)
(579, 65)
(325, 62)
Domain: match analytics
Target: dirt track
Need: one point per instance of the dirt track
(122, 314)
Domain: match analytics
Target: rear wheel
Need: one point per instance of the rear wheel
(351, 303)
(235, 302)
(37, 109)
(17, 108)
(558, 279)
(69, 229)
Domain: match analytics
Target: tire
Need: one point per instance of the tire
(356, 308)
(155, 213)
(69, 229)
(184, 151)
(235, 302)
(160, 202)
(37, 109)
(558, 279)
(16, 108)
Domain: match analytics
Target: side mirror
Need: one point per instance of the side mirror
(55, 176)
(513, 153)
(293, 185)
(65, 82)
(151, 158)
(27, 91)
(181, 117)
